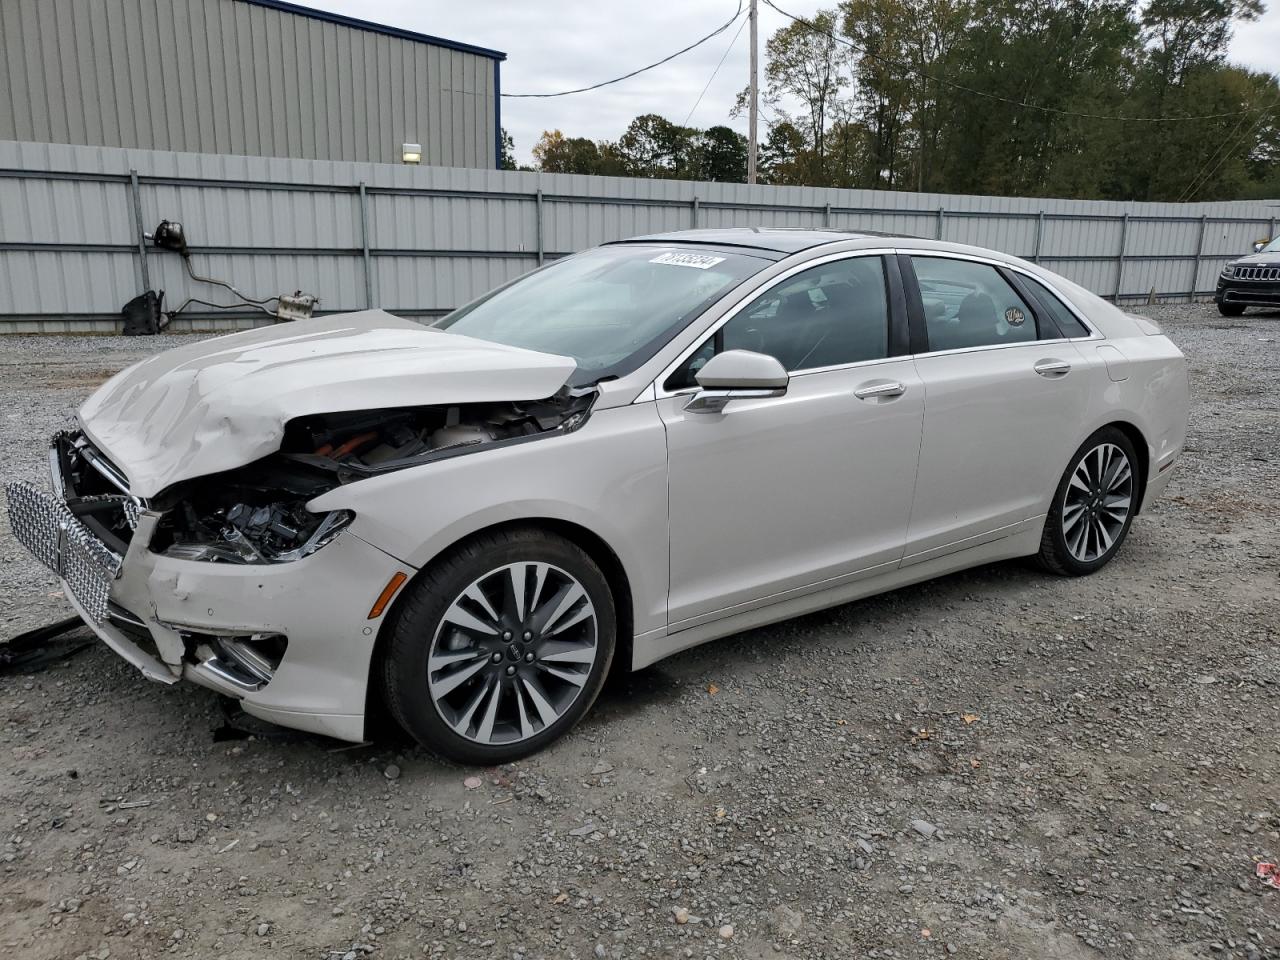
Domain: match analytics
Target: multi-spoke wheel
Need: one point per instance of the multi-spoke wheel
(500, 647)
(1093, 505)
(512, 652)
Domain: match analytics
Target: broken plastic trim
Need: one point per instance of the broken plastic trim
(94, 489)
(233, 664)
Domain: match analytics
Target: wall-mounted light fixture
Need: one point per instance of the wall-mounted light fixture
(411, 152)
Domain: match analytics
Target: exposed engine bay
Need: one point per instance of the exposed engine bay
(363, 443)
(257, 513)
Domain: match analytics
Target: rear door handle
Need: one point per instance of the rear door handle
(1052, 368)
(880, 391)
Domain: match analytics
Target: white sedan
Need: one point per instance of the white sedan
(631, 451)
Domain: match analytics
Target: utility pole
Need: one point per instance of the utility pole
(754, 113)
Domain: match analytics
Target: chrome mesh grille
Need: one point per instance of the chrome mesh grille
(1258, 273)
(47, 528)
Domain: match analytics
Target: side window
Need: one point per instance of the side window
(828, 315)
(969, 304)
(1066, 320)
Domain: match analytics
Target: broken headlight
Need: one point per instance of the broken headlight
(245, 532)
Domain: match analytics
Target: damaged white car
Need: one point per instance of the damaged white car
(623, 454)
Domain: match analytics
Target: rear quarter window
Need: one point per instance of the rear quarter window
(1067, 321)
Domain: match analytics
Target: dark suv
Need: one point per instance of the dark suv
(1250, 281)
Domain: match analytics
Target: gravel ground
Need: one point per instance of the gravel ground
(996, 764)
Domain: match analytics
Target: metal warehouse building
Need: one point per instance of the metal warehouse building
(252, 77)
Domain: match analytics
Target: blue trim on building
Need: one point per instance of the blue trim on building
(497, 114)
(282, 5)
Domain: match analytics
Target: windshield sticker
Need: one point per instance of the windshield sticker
(699, 261)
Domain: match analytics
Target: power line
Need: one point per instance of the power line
(627, 76)
(1223, 144)
(983, 93)
(1202, 178)
(728, 50)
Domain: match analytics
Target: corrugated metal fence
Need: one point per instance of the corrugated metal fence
(419, 241)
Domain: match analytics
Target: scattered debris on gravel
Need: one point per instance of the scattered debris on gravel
(1000, 764)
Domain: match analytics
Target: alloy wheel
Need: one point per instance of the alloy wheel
(1097, 502)
(512, 653)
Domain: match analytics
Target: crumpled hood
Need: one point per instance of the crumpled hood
(222, 403)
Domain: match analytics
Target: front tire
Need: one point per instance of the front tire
(500, 647)
(1230, 309)
(1093, 506)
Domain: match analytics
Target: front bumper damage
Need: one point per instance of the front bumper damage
(292, 641)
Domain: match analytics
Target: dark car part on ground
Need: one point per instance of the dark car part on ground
(238, 725)
(142, 315)
(258, 514)
(39, 648)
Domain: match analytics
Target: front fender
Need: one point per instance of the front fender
(609, 477)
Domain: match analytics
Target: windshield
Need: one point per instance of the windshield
(610, 308)
(1272, 247)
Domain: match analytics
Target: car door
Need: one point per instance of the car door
(769, 497)
(1004, 398)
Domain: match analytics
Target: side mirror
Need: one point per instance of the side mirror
(1258, 245)
(737, 375)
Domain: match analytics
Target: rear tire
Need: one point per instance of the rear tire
(1230, 309)
(1093, 506)
(500, 647)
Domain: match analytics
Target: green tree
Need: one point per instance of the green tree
(653, 146)
(805, 62)
(1210, 159)
(556, 153)
(1183, 34)
(1186, 45)
(1022, 97)
(784, 154)
(722, 155)
(507, 158)
(882, 102)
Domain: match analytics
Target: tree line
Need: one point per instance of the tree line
(1069, 98)
(651, 146)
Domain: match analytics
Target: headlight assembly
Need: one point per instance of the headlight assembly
(1229, 270)
(279, 532)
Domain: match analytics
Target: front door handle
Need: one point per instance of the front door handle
(880, 391)
(1052, 368)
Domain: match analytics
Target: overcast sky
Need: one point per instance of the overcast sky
(573, 43)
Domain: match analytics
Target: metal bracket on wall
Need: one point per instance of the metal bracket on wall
(1124, 237)
(1195, 266)
(139, 230)
(364, 240)
(537, 197)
